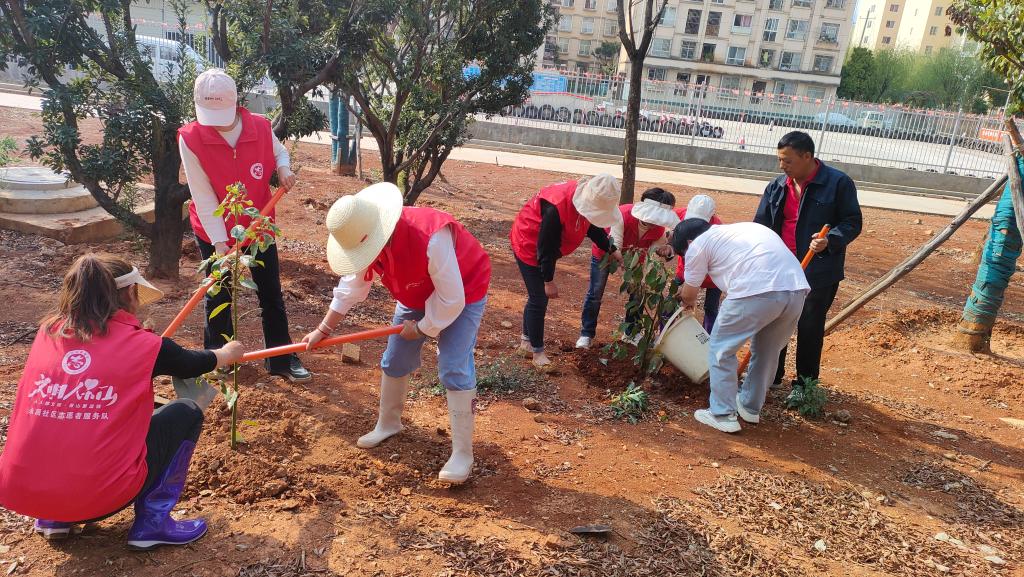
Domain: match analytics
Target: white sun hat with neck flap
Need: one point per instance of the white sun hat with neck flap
(597, 199)
(359, 226)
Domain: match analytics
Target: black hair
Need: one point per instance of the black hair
(659, 195)
(798, 141)
(686, 231)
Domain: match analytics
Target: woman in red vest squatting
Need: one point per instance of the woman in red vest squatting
(439, 274)
(84, 441)
(551, 225)
(643, 227)
(228, 144)
(702, 206)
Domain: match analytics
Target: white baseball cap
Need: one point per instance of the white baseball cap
(216, 98)
(701, 206)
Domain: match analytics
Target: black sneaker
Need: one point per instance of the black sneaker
(294, 372)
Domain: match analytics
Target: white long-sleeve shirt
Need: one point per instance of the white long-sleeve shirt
(443, 306)
(203, 195)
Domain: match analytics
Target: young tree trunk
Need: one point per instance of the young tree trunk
(168, 226)
(636, 70)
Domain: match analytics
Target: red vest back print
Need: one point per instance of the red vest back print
(526, 227)
(402, 265)
(250, 162)
(631, 233)
(76, 447)
(681, 265)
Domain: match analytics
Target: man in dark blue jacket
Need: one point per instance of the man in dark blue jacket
(796, 205)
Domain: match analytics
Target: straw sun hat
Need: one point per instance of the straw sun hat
(360, 225)
(597, 199)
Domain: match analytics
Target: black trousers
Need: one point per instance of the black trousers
(172, 424)
(536, 304)
(275, 319)
(810, 334)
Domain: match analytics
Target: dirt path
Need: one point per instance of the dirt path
(925, 479)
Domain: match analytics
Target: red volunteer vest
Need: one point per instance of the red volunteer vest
(402, 265)
(250, 162)
(681, 265)
(76, 448)
(526, 227)
(631, 233)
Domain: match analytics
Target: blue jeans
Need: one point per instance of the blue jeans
(592, 302)
(455, 366)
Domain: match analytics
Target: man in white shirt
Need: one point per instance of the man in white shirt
(765, 290)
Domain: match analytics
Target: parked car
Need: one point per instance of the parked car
(166, 56)
(871, 119)
(835, 119)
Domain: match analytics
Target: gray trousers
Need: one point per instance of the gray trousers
(766, 320)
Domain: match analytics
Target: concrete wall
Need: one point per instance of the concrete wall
(712, 157)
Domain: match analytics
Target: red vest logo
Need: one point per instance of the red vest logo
(256, 170)
(76, 362)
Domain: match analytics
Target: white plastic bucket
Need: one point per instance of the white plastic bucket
(684, 342)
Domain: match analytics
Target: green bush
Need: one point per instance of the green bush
(807, 397)
(631, 404)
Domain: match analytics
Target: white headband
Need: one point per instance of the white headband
(129, 279)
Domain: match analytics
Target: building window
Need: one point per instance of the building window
(829, 33)
(568, 3)
(563, 45)
(886, 40)
(797, 30)
(771, 29)
(584, 48)
(565, 23)
(823, 63)
(737, 56)
(688, 50)
(949, 30)
(611, 28)
(894, 7)
(730, 87)
(588, 26)
(654, 73)
(714, 23)
(715, 1)
(582, 67)
(766, 59)
(669, 17)
(815, 93)
(707, 53)
(682, 80)
(890, 24)
(837, 4)
(590, 4)
(938, 10)
(703, 80)
(612, 6)
(661, 47)
(927, 49)
(802, 3)
(776, 4)
(783, 88)
(790, 61)
(741, 23)
(933, 31)
(692, 21)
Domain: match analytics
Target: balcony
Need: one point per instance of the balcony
(827, 43)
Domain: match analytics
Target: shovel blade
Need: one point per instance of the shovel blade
(197, 389)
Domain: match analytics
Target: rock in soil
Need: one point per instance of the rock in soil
(350, 353)
(531, 404)
(843, 416)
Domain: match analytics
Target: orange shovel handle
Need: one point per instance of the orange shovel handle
(328, 342)
(197, 296)
(803, 264)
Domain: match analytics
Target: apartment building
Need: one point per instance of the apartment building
(580, 28)
(918, 25)
(781, 47)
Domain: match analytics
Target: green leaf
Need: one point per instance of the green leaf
(219, 211)
(214, 290)
(238, 232)
(252, 212)
(218, 309)
(228, 338)
(230, 398)
(247, 260)
(249, 284)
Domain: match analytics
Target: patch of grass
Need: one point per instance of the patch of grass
(807, 398)
(631, 404)
(8, 150)
(506, 375)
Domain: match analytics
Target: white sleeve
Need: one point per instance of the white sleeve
(281, 156)
(616, 235)
(202, 195)
(696, 264)
(351, 289)
(449, 297)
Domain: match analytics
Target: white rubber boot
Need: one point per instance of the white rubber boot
(460, 415)
(389, 422)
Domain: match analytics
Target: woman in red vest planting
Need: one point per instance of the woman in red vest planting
(439, 274)
(84, 441)
(551, 225)
(643, 227)
(702, 206)
(228, 144)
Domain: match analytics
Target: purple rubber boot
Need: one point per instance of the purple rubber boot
(153, 524)
(52, 530)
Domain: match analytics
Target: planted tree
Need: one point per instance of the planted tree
(651, 300)
(644, 21)
(403, 64)
(607, 56)
(232, 271)
(807, 398)
(113, 80)
(858, 75)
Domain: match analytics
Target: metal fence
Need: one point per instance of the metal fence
(714, 117)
